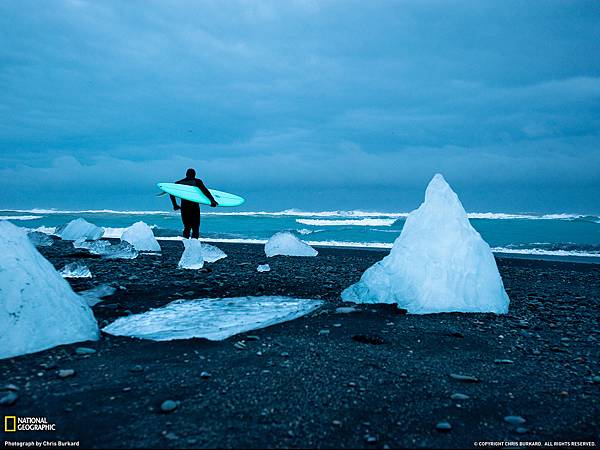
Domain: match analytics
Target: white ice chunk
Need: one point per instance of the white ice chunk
(192, 255)
(286, 244)
(78, 229)
(141, 237)
(210, 253)
(214, 319)
(76, 270)
(122, 250)
(263, 268)
(40, 239)
(38, 308)
(439, 263)
(96, 294)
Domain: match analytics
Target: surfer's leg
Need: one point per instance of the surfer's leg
(186, 223)
(196, 226)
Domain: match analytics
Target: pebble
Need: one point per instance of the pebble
(66, 373)
(443, 426)
(521, 430)
(503, 361)
(514, 420)
(285, 354)
(137, 368)
(84, 351)
(459, 396)
(9, 387)
(8, 398)
(345, 310)
(168, 406)
(370, 439)
(337, 325)
(323, 332)
(205, 375)
(252, 338)
(239, 345)
(596, 379)
(465, 378)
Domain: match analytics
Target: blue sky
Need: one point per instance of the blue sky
(306, 104)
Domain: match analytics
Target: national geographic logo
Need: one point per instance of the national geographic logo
(14, 423)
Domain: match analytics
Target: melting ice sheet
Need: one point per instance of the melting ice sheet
(214, 319)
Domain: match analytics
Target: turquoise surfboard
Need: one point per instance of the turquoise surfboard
(193, 194)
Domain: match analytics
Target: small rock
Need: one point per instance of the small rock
(370, 439)
(8, 398)
(323, 332)
(137, 368)
(84, 351)
(514, 420)
(459, 396)
(345, 310)
(252, 338)
(503, 361)
(372, 339)
(521, 430)
(443, 426)
(66, 373)
(9, 387)
(596, 379)
(239, 345)
(285, 354)
(337, 325)
(168, 406)
(171, 436)
(465, 378)
(337, 423)
(205, 375)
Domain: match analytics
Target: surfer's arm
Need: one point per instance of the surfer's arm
(206, 192)
(174, 201)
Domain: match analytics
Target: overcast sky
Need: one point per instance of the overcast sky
(315, 105)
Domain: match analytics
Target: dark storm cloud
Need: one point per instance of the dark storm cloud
(326, 104)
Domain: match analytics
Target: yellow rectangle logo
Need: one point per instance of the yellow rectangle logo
(8, 428)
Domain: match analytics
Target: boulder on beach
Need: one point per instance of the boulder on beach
(439, 263)
(142, 238)
(286, 244)
(38, 308)
(80, 229)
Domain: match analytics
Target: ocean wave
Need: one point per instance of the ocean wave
(20, 217)
(345, 222)
(544, 252)
(299, 213)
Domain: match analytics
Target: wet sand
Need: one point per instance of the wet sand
(376, 378)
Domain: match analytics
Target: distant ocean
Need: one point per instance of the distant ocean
(563, 236)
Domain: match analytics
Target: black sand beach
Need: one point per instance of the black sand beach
(376, 378)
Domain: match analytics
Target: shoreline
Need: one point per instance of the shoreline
(375, 378)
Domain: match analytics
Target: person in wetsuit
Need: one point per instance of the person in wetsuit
(190, 211)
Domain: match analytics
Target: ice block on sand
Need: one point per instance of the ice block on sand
(141, 237)
(286, 244)
(439, 263)
(80, 229)
(38, 308)
(215, 319)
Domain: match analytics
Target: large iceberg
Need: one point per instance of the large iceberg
(80, 229)
(141, 237)
(215, 319)
(286, 244)
(196, 253)
(439, 263)
(38, 308)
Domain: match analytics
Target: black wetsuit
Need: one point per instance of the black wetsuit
(190, 211)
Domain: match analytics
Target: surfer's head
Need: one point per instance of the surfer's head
(190, 173)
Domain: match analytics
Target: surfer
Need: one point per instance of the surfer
(190, 211)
